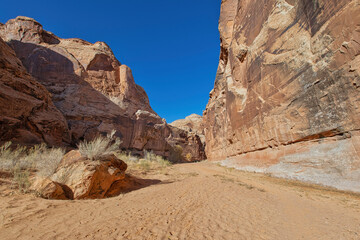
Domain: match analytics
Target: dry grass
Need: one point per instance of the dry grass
(150, 162)
(11, 158)
(19, 161)
(47, 160)
(21, 178)
(40, 158)
(100, 146)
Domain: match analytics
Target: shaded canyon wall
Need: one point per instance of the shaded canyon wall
(27, 113)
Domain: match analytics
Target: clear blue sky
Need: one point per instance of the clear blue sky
(172, 46)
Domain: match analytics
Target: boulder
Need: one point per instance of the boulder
(48, 189)
(89, 179)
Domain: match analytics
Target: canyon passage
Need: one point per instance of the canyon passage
(275, 155)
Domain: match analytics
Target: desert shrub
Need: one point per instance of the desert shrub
(48, 160)
(151, 156)
(10, 158)
(100, 146)
(151, 161)
(20, 161)
(42, 159)
(144, 164)
(13, 160)
(176, 154)
(126, 157)
(123, 156)
(21, 178)
(155, 160)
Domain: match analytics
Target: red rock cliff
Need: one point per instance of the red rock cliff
(93, 90)
(286, 98)
(27, 114)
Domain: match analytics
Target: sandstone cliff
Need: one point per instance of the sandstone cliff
(27, 114)
(91, 88)
(287, 92)
(193, 124)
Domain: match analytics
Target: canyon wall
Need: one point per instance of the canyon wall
(286, 98)
(27, 113)
(93, 90)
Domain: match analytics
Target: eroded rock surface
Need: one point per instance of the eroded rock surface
(48, 189)
(193, 124)
(27, 113)
(90, 87)
(193, 149)
(87, 178)
(287, 90)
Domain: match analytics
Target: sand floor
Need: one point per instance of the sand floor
(189, 201)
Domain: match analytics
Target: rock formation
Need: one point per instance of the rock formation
(90, 87)
(287, 92)
(48, 189)
(27, 113)
(191, 145)
(78, 177)
(193, 124)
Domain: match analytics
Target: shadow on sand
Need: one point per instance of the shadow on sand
(131, 183)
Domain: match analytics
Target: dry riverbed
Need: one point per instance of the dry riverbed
(188, 201)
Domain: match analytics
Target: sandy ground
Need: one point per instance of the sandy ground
(189, 201)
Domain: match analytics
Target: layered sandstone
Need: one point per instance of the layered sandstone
(286, 96)
(90, 87)
(193, 124)
(27, 113)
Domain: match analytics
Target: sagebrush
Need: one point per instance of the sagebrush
(100, 146)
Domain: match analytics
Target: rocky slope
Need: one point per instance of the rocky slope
(287, 92)
(92, 89)
(27, 114)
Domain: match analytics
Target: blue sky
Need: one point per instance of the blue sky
(172, 46)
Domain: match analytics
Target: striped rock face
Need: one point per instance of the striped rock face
(286, 98)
